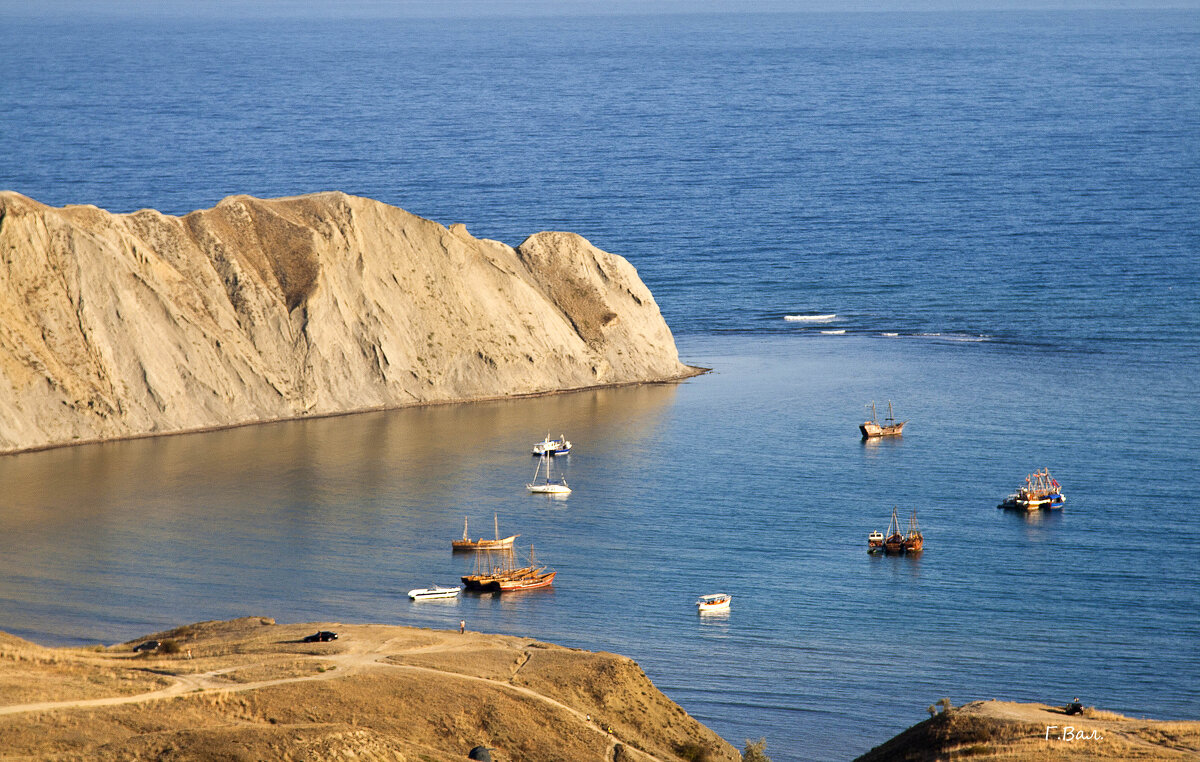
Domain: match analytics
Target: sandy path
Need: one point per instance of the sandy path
(352, 661)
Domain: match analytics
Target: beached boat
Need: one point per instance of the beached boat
(548, 485)
(434, 591)
(466, 543)
(1041, 490)
(875, 542)
(889, 428)
(552, 447)
(497, 572)
(714, 602)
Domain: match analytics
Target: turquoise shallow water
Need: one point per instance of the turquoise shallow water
(998, 208)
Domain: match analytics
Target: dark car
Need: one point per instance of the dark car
(323, 636)
(149, 645)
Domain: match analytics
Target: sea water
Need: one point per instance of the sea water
(998, 209)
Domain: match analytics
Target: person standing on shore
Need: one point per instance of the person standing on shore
(462, 626)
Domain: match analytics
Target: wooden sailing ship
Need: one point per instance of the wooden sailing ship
(889, 428)
(895, 541)
(467, 544)
(914, 541)
(497, 572)
(1041, 490)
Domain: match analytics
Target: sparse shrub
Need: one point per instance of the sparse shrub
(945, 704)
(169, 647)
(755, 751)
(932, 709)
(693, 752)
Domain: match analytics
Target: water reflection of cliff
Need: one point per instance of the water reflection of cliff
(251, 515)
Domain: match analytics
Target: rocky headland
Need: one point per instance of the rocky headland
(119, 325)
(1016, 732)
(250, 689)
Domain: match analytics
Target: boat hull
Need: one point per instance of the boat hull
(872, 430)
(548, 489)
(711, 603)
(434, 593)
(527, 583)
(481, 544)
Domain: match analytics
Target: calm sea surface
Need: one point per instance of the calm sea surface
(1001, 210)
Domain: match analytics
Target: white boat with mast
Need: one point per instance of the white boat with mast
(549, 485)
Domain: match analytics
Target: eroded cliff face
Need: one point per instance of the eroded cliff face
(254, 310)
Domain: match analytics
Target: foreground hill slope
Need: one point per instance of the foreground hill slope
(115, 325)
(251, 689)
(1013, 732)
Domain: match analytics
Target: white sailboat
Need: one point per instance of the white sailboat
(549, 485)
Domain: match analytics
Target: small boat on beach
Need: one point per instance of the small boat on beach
(1041, 490)
(714, 602)
(549, 485)
(889, 428)
(433, 592)
(552, 447)
(467, 544)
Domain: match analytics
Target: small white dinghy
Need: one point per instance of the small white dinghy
(434, 591)
(715, 602)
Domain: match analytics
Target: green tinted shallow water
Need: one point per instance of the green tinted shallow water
(750, 480)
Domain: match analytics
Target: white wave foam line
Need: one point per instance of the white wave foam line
(837, 332)
(890, 335)
(953, 337)
(809, 318)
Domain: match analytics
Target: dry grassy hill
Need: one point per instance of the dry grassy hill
(249, 689)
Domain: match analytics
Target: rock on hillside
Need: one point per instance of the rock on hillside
(115, 325)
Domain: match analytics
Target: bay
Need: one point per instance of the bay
(998, 209)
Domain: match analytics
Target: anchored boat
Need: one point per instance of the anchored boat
(434, 591)
(1041, 490)
(549, 485)
(889, 428)
(875, 542)
(498, 573)
(466, 543)
(896, 541)
(548, 446)
(714, 602)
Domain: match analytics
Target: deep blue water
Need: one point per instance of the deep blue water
(1015, 196)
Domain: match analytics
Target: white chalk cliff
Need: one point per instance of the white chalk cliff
(116, 325)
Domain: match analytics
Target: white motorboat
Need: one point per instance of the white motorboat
(548, 446)
(715, 602)
(434, 591)
(548, 485)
